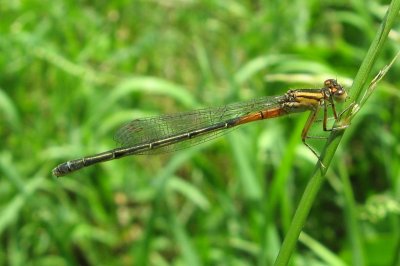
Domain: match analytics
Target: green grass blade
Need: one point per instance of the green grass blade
(330, 148)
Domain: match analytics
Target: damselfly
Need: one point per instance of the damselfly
(175, 131)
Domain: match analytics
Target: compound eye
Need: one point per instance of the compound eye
(328, 82)
(331, 83)
(340, 95)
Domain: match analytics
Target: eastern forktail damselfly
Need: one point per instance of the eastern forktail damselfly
(175, 131)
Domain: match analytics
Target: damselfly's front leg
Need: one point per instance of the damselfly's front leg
(311, 119)
(335, 116)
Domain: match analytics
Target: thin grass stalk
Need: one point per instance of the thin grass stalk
(359, 86)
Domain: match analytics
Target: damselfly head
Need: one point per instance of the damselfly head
(337, 91)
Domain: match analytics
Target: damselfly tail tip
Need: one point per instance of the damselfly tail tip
(56, 172)
(60, 170)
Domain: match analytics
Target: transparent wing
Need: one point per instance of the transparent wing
(147, 130)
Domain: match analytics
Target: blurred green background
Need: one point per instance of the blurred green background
(73, 72)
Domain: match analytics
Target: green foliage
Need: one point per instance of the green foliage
(72, 73)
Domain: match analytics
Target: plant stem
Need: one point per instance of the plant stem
(333, 141)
